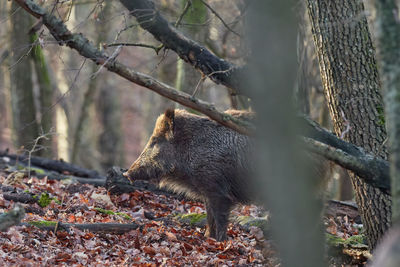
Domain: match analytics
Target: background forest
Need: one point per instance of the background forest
(88, 104)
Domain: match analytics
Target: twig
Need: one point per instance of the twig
(157, 49)
(109, 59)
(199, 84)
(185, 10)
(219, 17)
(34, 149)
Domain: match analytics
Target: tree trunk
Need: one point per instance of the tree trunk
(187, 77)
(110, 141)
(281, 164)
(351, 83)
(22, 99)
(388, 39)
(46, 96)
(387, 31)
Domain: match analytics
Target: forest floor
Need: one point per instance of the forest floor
(160, 239)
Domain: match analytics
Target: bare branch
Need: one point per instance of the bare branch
(373, 170)
(81, 44)
(198, 56)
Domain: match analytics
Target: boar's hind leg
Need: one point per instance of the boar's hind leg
(210, 222)
(217, 217)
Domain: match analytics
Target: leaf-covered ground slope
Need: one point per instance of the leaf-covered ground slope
(160, 239)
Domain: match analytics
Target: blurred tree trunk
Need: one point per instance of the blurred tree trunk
(388, 39)
(25, 127)
(106, 142)
(66, 110)
(45, 96)
(387, 31)
(155, 104)
(3, 87)
(281, 163)
(110, 143)
(351, 82)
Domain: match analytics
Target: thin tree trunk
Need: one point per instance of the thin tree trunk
(25, 126)
(46, 96)
(351, 83)
(196, 14)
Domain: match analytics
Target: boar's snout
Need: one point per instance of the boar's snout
(132, 172)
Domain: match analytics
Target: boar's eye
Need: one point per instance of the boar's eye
(154, 140)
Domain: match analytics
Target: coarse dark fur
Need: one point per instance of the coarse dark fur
(201, 158)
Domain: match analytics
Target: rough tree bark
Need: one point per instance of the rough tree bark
(351, 83)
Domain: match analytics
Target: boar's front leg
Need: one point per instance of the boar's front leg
(218, 210)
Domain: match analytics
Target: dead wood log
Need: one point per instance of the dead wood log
(21, 197)
(341, 208)
(117, 184)
(111, 228)
(53, 165)
(74, 179)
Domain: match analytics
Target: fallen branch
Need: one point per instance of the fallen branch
(11, 218)
(113, 228)
(20, 197)
(117, 184)
(74, 179)
(54, 165)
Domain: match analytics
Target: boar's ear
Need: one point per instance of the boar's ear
(169, 120)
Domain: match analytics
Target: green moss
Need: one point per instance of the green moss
(104, 211)
(44, 200)
(334, 241)
(247, 221)
(195, 219)
(43, 223)
(381, 115)
(356, 241)
(110, 212)
(38, 170)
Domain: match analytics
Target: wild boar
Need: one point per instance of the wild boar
(196, 156)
